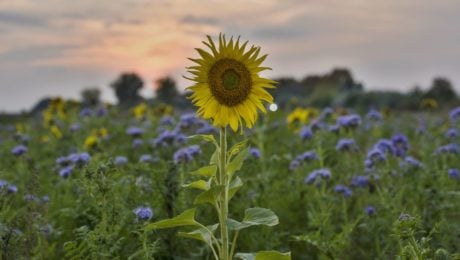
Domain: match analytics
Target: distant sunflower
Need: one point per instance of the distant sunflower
(227, 86)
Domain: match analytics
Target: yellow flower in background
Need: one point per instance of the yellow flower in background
(20, 129)
(91, 141)
(102, 132)
(301, 116)
(45, 139)
(163, 110)
(140, 110)
(227, 86)
(297, 116)
(56, 132)
(429, 103)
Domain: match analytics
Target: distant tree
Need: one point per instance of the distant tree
(127, 88)
(166, 90)
(441, 90)
(91, 96)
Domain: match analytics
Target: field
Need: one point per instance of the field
(79, 183)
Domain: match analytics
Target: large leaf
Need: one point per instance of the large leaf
(264, 255)
(237, 148)
(207, 138)
(237, 162)
(254, 217)
(200, 184)
(214, 158)
(206, 171)
(186, 218)
(209, 196)
(235, 185)
(201, 234)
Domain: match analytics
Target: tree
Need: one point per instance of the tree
(127, 88)
(91, 96)
(441, 90)
(166, 90)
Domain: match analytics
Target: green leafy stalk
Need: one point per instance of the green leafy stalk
(223, 199)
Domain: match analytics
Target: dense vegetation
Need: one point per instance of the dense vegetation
(81, 183)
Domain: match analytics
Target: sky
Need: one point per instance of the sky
(59, 47)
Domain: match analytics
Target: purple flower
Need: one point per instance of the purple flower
(30, 197)
(349, 121)
(370, 210)
(167, 120)
(134, 131)
(448, 148)
(143, 213)
(454, 174)
(314, 175)
(346, 145)
(137, 143)
(454, 114)
(374, 115)
(63, 161)
(385, 146)
(412, 162)
(45, 199)
(307, 156)
(254, 152)
(101, 111)
(188, 120)
(8, 187)
(120, 160)
(344, 190)
(334, 129)
(360, 181)
(376, 155)
(19, 150)
(146, 158)
(306, 133)
(66, 171)
(186, 154)
(168, 138)
(451, 133)
(400, 144)
(327, 111)
(85, 112)
(206, 129)
(294, 164)
(80, 158)
(75, 127)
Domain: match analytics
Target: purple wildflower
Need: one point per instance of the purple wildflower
(360, 181)
(451, 133)
(66, 171)
(454, 174)
(19, 150)
(454, 114)
(143, 213)
(306, 133)
(346, 145)
(374, 115)
(344, 190)
(448, 148)
(370, 210)
(134, 131)
(254, 152)
(349, 121)
(120, 160)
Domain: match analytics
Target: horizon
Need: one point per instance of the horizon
(55, 49)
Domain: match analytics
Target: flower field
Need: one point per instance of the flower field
(84, 183)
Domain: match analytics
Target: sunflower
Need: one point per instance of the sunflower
(227, 86)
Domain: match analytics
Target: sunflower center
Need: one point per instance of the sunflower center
(230, 81)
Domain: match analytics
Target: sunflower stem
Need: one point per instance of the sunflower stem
(224, 197)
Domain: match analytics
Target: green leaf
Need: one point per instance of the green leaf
(235, 185)
(264, 255)
(237, 148)
(260, 216)
(254, 217)
(209, 196)
(201, 234)
(200, 184)
(214, 158)
(206, 171)
(207, 138)
(186, 218)
(237, 162)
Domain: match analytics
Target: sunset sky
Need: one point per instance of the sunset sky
(58, 47)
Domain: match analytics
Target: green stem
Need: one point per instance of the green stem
(235, 237)
(224, 199)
